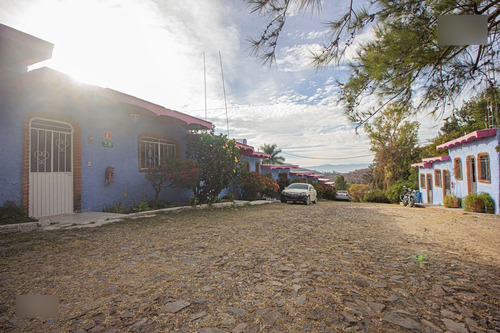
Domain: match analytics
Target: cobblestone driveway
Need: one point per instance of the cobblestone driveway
(330, 267)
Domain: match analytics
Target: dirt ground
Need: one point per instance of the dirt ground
(330, 267)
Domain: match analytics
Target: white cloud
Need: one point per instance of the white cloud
(154, 50)
(297, 57)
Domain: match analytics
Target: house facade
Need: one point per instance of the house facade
(252, 159)
(71, 147)
(472, 166)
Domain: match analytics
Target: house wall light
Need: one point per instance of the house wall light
(134, 117)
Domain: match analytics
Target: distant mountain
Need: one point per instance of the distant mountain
(339, 168)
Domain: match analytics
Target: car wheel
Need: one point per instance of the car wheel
(308, 201)
(315, 200)
(283, 200)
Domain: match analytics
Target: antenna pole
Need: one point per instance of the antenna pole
(224, 89)
(205, 80)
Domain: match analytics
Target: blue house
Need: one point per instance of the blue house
(252, 159)
(472, 166)
(71, 147)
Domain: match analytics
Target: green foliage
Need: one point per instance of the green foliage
(116, 207)
(451, 201)
(282, 183)
(489, 204)
(393, 139)
(340, 183)
(358, 191)
(11, 213)
(397, 189)
(480, 203)
(329, 193)
(254, 185)
(271, 150)
(403, 60)
(470, 117)
(298, 180)
(378, 196)
(324, 192)
(173, 172)
(217, 159)
(320, 189)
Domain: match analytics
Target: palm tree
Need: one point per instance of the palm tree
(271, 150)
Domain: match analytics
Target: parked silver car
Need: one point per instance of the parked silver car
(299, 192)
(342, 195)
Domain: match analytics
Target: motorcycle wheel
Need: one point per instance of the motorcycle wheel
(411, 202)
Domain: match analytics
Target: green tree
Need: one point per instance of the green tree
(217, 159)
(272, 150)
(394, 141)
(402, 60)
(340, 183)
(480, 112)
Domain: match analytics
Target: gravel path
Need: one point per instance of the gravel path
(330, 267)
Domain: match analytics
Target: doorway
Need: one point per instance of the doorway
(446, 183)
(429, 188)
(50, 167)
(471, 175)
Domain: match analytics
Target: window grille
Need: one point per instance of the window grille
(154, 151)
(484, 167)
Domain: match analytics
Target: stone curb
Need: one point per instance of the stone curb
(47, 225)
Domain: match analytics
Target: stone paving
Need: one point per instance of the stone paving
(330, 267)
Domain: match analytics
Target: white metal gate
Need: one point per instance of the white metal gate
(51, 168)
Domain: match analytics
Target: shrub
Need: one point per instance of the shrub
(472, 203)
(217, 159)
(282, 183)
(172, 172)
(489, 204)
(254, 185)
(357, 191)
(320, 189)
(329, 193)
(451, 201)
(11, 213)
(376, 196)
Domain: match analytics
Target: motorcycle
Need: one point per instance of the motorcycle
(408, 198)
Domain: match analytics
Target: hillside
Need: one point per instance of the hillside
(353, 177)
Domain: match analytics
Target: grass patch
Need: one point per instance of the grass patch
(11, 213)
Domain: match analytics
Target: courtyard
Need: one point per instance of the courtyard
(330, 267)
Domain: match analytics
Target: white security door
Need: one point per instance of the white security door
(51, 168)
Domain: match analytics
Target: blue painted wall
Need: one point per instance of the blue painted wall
(94, 117)
(129, 185)
(459, 187)
(11, 152)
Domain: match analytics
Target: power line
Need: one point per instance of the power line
(328, 158)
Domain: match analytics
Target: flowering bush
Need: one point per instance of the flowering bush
(254, 185)
(179, 173)
(217, 158)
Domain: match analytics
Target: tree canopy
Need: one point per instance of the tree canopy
(477, 113)
(403, 63)
(272, 150)
(394, 142)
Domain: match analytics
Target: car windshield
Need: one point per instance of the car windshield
(299, 186)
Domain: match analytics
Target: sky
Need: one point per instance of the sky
(156, 50)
